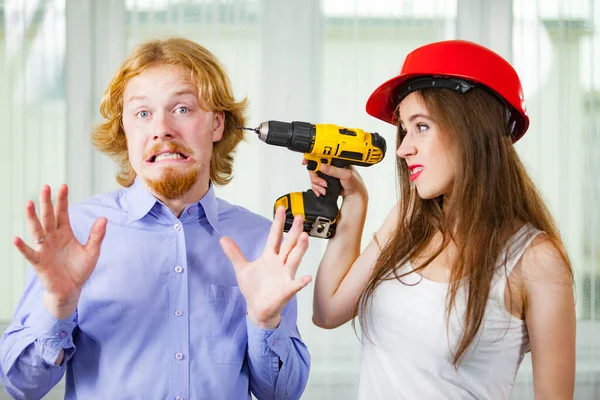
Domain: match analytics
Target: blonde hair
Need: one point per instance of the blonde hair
(214, 91)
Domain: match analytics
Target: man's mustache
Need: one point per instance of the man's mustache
(169, 146)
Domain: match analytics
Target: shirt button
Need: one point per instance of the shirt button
(177, 227)
(178, 356)
(178, 269)
(178, 313)
(63, 334)
(191, 210)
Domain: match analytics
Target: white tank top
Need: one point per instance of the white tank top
(407, 348)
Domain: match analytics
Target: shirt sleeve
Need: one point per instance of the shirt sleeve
(31, 345)
(278, 358)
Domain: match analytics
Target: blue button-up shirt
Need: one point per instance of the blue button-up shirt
(161, 317)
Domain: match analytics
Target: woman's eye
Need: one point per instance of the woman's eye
(422, 127)
(182, 110)
(143, 114)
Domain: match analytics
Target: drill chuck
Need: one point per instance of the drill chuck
(296, 136)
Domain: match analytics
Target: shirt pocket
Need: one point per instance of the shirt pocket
(228, 335)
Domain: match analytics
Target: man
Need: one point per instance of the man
(151, 307)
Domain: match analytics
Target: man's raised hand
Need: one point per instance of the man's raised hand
(62, 264)
(269, 283)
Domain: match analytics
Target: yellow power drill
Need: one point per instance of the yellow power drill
(321, 144)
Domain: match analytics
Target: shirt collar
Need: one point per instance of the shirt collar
(140, 201)
(211, 210)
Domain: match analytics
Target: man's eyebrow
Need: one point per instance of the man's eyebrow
(185, 92)
(182, 92)
(132, 98)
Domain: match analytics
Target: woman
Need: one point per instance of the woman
(468, 271)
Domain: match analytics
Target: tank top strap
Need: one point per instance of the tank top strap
(516, 246)
(510, 256)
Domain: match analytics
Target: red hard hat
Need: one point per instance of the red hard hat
(455, 64)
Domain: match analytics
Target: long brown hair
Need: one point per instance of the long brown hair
(492, 195)
(214, 94)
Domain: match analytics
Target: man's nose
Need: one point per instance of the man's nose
(162, 127)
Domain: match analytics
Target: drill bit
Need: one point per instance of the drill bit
(255, 130)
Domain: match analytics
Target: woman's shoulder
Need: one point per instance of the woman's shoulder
(544, 260)
(533, 256)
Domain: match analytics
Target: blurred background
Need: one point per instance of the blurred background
(305, 60)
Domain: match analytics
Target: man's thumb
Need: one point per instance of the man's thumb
(233, 252)
(97, 234)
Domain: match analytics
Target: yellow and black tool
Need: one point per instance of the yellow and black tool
(321, 144)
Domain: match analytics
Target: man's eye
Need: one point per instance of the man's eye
(182, 110)
(143, 114)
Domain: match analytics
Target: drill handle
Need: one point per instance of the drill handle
(334, 188)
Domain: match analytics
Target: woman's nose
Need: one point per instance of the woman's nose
(406, 148)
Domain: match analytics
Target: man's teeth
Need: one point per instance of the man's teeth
(168, 156)
(418, 169)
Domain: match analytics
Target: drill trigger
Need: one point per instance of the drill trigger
(312, 165)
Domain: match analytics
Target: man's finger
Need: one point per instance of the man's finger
(46, 210)
(292, 237)
(29, 254)
(299, 284)
(294, 286)
(293, 260)
(35, 226)
(274, 238)
(96, 235)
(61, 208)
(233, 252)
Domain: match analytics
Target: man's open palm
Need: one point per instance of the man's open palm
(269, 283)
(62, 264)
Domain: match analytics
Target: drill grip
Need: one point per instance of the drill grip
(334, 188)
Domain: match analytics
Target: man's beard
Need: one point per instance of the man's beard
(173, 184)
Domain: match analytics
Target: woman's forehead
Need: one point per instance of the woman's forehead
(411, 105)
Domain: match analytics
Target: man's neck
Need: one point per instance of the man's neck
(195, 194)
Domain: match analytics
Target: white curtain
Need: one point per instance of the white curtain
(555, 50)
(32, 123)
(315, 61)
